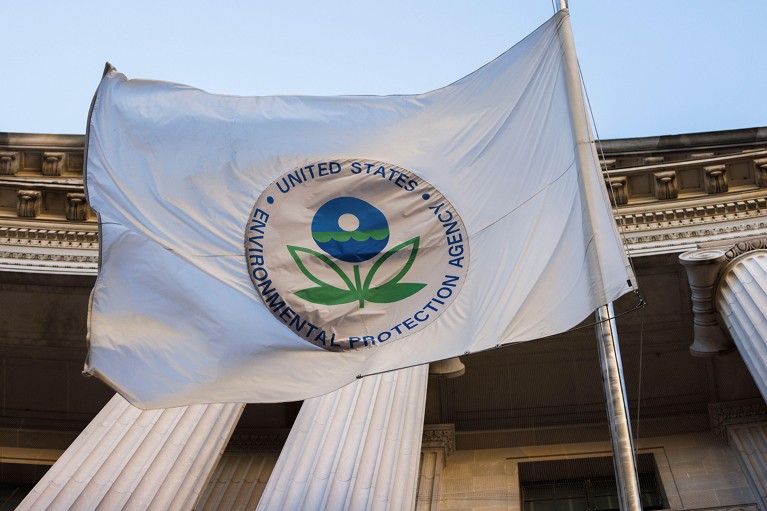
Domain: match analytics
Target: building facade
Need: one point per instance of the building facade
(522, 427)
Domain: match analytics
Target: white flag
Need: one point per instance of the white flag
(274, 248)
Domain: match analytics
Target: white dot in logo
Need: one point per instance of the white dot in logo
(348, 222)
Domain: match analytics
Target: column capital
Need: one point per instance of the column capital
(446, 369)
(703, 267)
(439, 436)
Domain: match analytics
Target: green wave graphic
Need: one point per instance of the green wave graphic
(341, 236)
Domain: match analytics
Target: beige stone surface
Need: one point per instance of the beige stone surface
(696, 470)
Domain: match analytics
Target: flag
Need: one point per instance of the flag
(269, 249)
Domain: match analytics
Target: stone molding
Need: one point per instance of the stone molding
(664, 205)
(699, 175)
(745, 246)
(439, 436)
(77, 207)
(760, 167)
(23, 235)
(53, 164)
(653, 160)
(9, 163)
(716, 179)
(665, 185)
(48, 257)
(49, 249)
(730, 413)
(28, 203)
(617, 190)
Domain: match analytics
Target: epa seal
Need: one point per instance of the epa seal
(350, 254)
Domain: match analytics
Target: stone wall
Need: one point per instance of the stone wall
(696, 470)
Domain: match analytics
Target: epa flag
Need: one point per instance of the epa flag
(275, 248)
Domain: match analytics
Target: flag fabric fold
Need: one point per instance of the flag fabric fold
(269, 249)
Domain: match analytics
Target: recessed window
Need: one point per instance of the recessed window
(11, 495)
(584, 484)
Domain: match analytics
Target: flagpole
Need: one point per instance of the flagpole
(607, 333)
(617, 410)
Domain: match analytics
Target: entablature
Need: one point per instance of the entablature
(669, 194)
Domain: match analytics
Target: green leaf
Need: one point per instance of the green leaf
(389, 293)
(410, 260)
(327, 295)
(323, 258)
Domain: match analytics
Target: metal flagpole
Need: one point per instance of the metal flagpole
(617, 410)
(607, 334)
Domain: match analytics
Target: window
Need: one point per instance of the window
(11, 495)
(585, 484)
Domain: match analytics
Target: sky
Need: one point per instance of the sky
(651, 67)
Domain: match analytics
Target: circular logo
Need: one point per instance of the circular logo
(350, 254)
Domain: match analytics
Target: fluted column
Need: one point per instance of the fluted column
(355, 448)
(741, 301)
(128, 458)
(750, 443)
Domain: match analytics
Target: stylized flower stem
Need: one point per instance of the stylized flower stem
(358, 282)
(358, 291)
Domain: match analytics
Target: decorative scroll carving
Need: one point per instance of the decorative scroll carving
(9, 163)
(716, 178)
(77, 207)
(744, 246)
(617, 190)
(29, 203)
(53, 164)
(761, 172)
(607, 164)
(665, 185)
(35, 256)
(258, 440)
(653, 160)
(439, 435)
(721, 415)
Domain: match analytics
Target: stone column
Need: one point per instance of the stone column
(744, 425)
(750, 443)
(128, 458)
(741, 301)
(355, 448)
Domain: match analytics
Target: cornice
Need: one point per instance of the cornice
(41, 140)
(727, 139)
(680, 192)
(682, 229)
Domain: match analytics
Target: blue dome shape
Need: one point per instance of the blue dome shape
(358, 244)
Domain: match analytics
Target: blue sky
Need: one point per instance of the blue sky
(651, 67)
